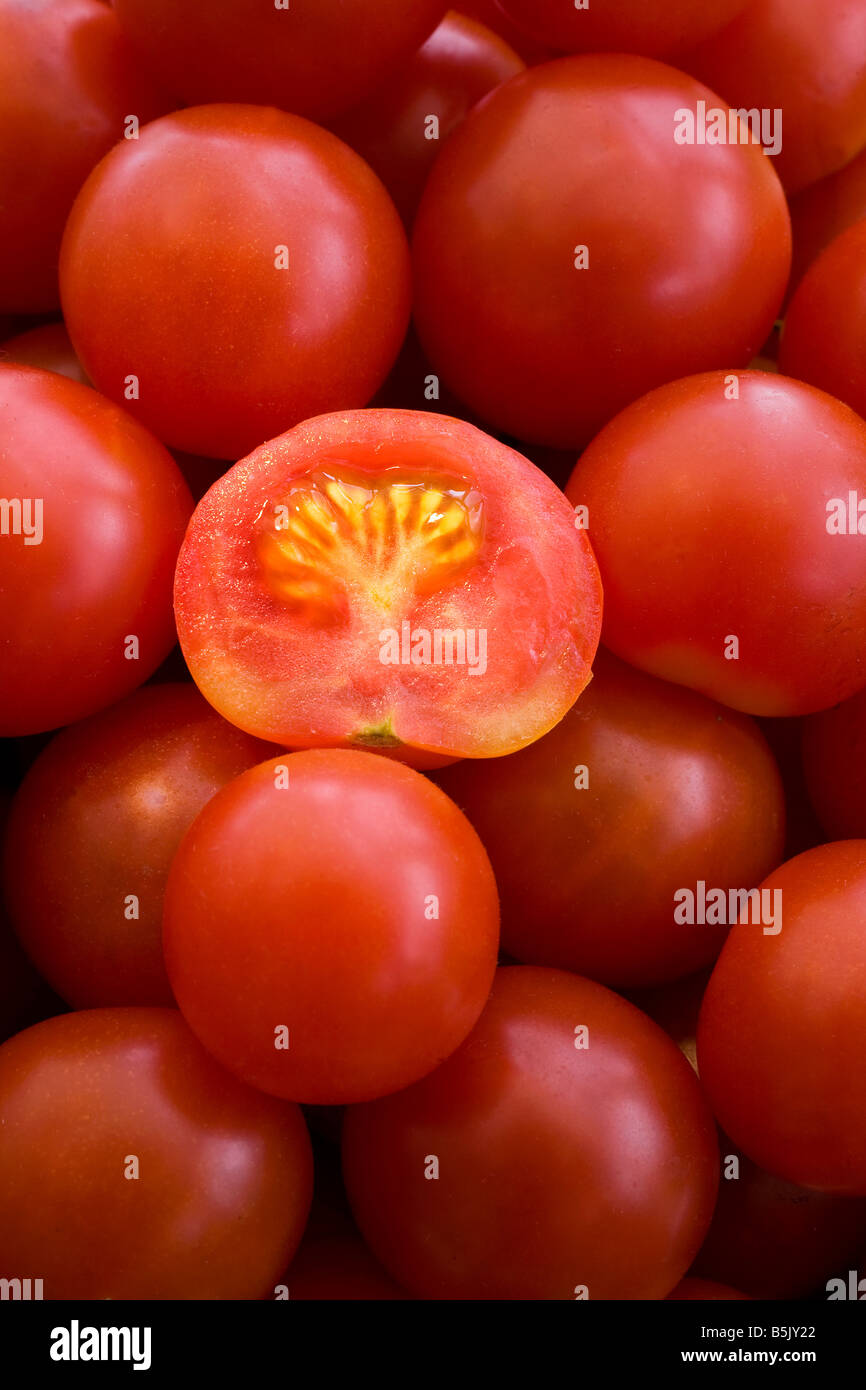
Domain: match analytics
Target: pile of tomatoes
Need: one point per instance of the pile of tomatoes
(433, 648)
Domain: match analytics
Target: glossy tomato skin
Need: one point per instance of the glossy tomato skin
(68, 83)
(781, 1026)
(775, 1239)
(547, 1180)
(313, 59)
(489, 13)
(224, 1180)
(655, 28)
(92, 833)
(553, 340)
(458, 65)
(245, 266)
(342, 897)
(287, 634)
(642, 790)
(46, 346)
(114, 508)
(749, 467)
(822, 341)
(834, 760)
(804, 58)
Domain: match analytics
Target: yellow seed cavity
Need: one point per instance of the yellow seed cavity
(339, 538)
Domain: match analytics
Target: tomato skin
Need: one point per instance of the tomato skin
(99, 817)
(547, 351)
(822, 341)
(654, 28)
(775, 1239)
(46, 346)
(823, 211)
(68, 82)
(545, 1181)
(781, 1029)
(688, 473)
(458, 65)
(488, 13)
(225, 1176)
(805, 58)
(114, 510)
(531, 586)
(231, 340)
(314, 59)
(344, 947)
(679, 790)
(834, 760)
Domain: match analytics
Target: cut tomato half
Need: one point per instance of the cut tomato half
(392, 580)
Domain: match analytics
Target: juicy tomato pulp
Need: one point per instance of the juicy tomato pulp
(391, 580)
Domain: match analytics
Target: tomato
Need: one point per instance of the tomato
(690, 1290)
(489, 13)
(331, 925)
(94, 828)
(642, 791)
(782, 1030)
(389, 579)
(313, 58)
(556, 283)
(718, 508)
(834, 759)
(824, 210)
(47, 346)
(805, 59)
(133, 1167)
(232, 272)
(68, 86)
(803, 829)
(822, 342)
(772, 1238)
(91, 520)
(332, 1261)
(400, 129)
(652, 27)
(519, 1168)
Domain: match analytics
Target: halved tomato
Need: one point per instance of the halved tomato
(390, 580)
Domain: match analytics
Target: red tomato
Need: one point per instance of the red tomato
(642, 790)
(94, 828)
(91, 520)
(805, 58)
(651, 27)
(47, 346)
(331, 926)
(714, 508)
(773, 1239)
(489, 13)
(555, 284)
(834, 758)
(820, 213)
(782, 1029)
(529, 1167)
(394, 129)
(314, 58)
(388, 579)
(822, 342)
(68, 85)
(690, 1290)
(133, 1167)
(232, 272)
(332, 1260)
